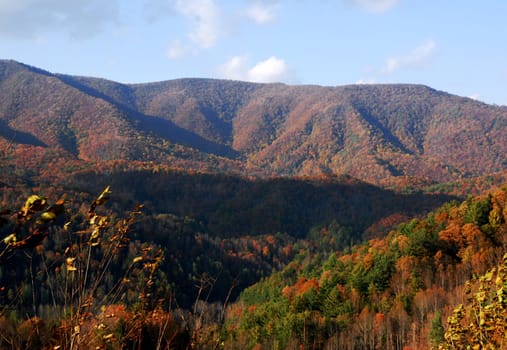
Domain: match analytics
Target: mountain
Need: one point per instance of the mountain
(382, 134)
(121, 203)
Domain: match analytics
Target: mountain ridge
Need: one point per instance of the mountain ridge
(385, 134)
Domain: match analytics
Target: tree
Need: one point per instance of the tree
(95, 269)
(437, 331)
(482, 323)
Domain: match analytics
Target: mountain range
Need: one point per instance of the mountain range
(291, 200)
(385, 135)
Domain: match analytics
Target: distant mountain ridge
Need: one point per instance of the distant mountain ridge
(382, 134)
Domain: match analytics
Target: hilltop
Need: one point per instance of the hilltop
(382, 134)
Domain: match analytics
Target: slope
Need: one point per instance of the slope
(389, 135)
(384, 293)
(51, 122)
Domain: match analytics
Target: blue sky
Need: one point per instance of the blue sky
(458, 46)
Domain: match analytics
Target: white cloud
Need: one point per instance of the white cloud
(235, 68)
(178, 50)
(78, 18)
(417, 58)
(270, 70)
(207, 21)
(204, 16)
(376, 6)
(261, 13)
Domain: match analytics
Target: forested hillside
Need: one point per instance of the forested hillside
(394, 135)
(80, 274)
(201, 213)
(205, 222)
(390, 293)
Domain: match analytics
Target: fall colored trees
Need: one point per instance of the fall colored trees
(80, 280)
(87, 272)
(481, 323)
(391, 293)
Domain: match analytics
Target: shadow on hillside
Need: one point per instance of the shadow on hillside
(386, 133)
(231, 206)
(155, 125)
(223, 217)
(19, 137)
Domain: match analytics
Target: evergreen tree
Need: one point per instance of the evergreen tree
(437, 331)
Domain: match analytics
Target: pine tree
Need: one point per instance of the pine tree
(437, 331)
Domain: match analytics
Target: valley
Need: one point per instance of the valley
(227, 214)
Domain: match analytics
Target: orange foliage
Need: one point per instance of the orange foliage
(265, 250)
(441, 217)
(287, 250)
(252, 308)
(368, 261)
(271, 239)
(452, 234)
(380, 245)
(300, 287)
(346, 259)
(402, 241)
(379, 320)
(472, 235)
(287, 292)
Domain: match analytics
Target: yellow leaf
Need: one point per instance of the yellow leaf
(95, 234)
(104, 196)
(48, 216)
(34, 203)
(102, 221)
(70, 264)
(10, 239)
(489, 275)
(455, 337)
(108, 336)
(93, 219)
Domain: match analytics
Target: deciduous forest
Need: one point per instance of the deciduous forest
(208, 214)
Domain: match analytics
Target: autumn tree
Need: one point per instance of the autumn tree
(77, 282)
(482, 322)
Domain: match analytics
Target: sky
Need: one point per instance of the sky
(457, 46)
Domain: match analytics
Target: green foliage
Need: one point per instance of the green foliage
(437, 331)
(478, 211)
(333, 237)
(160, 144)
(385, 293)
